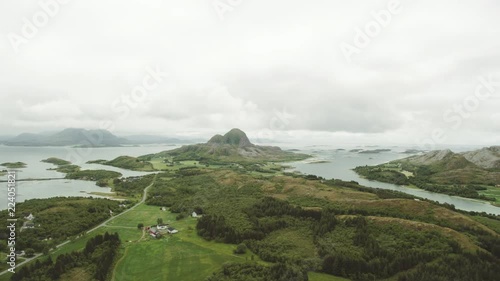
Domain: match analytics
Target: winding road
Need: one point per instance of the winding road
(144, 196)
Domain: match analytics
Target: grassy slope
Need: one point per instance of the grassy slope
(454, 168)
(490, 223)
(453, 175)
(419, 210)
(462, 239)
(231, 154)
(314, 276)
(76, 274)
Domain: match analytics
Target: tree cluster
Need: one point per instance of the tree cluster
(97, 258)
(59, 218)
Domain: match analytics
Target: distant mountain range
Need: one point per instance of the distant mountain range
(445, 166)
(152, 139)
(486, 158)
(473, 174)
(234, 146)
(87, 138)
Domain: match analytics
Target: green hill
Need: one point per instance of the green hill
(126, 162)
(470, 174)
(14, 165)
(488, 157)
(232, 147)
(446, 167)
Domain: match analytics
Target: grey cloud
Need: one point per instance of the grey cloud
(273, 57)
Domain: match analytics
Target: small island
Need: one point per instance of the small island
(126, 162)
(56, 161)
(101, 177)
(374, 151)
(318, 162)
(412, 151)
(63, 166)
(14, 165)
(232, 149)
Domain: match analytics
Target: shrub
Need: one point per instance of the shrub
(240, 249)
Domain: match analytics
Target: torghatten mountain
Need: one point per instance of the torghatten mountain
(234, 146)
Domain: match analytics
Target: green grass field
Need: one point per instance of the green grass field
(492, 192)
(170, 258)
(314, 276)
(5, 266)
(182, 256)
(159, 164)
(491, 223)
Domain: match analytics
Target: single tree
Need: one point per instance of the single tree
(45, 250)
(29, 252)
(240, 249)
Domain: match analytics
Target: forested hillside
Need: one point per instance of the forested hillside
(300, 225)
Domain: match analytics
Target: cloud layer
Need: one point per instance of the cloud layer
(262, 66)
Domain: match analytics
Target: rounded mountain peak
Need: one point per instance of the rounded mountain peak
(217, 139)
(233, 137)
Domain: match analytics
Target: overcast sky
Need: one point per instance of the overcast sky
(278, 69)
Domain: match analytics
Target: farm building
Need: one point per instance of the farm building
(162, 226)
(171, 230)
(30, 217)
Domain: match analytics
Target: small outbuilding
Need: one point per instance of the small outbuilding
(162, 226)
(30, 217)
(171, 230)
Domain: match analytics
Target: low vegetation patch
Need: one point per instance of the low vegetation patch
(132, 186)
(95, 261)
(55, 220)
(56, 161)
(452, 177)
(99, 176)
(127, 162)
(14, 165)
